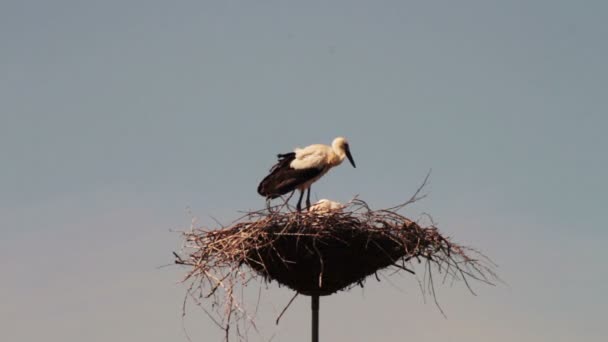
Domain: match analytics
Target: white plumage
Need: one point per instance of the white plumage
(325, 205)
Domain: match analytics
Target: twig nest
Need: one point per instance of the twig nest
(320, 253)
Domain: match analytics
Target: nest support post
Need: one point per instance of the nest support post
(315, 318)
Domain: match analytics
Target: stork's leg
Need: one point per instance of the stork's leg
(308, 199)
(299, 205)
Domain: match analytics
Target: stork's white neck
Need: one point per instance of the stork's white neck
(338, 147)
(339, 152)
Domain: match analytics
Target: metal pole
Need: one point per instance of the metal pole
(315, 318)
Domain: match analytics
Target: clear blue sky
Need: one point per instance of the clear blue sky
(117, 116)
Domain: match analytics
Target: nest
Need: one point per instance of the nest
(321, 253)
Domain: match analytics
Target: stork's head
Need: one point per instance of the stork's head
(342, 149)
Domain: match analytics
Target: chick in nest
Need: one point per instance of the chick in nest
(325, 205)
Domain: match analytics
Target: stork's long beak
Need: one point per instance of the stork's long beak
(350, 157)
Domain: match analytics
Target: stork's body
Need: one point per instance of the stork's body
(299, 169)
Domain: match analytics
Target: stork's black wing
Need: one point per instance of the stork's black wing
(283, 178)
(284, 159)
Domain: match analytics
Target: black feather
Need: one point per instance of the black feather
(283, 178)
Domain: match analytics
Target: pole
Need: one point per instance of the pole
(315, 318)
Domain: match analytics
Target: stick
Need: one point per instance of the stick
(285, 309)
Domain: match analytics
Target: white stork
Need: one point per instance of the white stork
(325, 205)
(299, 169)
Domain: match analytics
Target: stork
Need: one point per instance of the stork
(297, 170)
(325, 206)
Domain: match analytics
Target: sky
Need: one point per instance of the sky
(120, 121)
